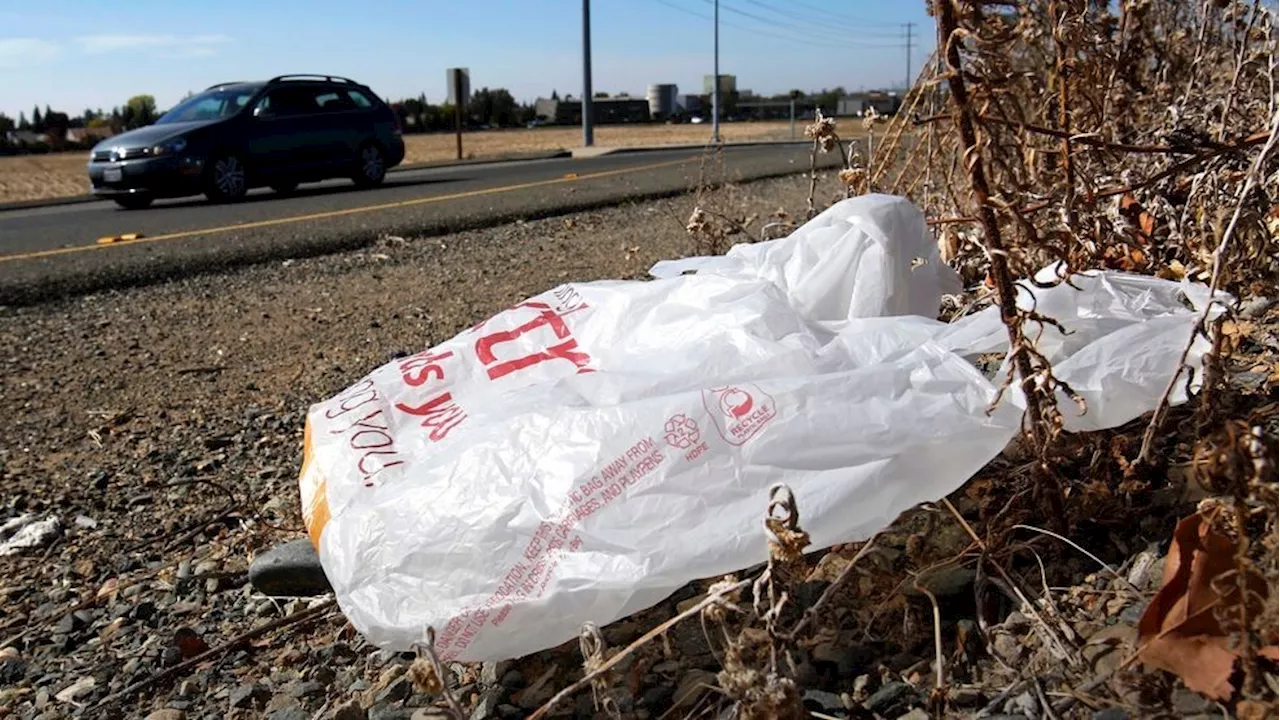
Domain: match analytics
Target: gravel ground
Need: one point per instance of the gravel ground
(162, 427)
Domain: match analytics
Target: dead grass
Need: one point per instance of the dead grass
(36, 177)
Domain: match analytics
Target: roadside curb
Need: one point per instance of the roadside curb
(78, 199)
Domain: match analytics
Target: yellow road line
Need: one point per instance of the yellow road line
(339, 213)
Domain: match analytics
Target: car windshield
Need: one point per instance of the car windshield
(209, 105)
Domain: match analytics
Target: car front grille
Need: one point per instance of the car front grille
(114, 154)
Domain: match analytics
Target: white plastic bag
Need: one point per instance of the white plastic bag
(582, 455)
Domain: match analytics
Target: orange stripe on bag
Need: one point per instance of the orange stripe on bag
(315, 509)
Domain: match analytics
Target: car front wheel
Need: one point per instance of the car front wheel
(372, 169)
(226, 179)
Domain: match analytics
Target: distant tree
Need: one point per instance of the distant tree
(37, 121)
(6, 123)
(56, 124)
(23, 124)
(140, 110)
(555, 95)
(601, 95)
(495, 107)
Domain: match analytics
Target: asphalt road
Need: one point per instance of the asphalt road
(55, 251)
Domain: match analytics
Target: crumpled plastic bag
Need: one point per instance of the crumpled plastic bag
(582, 455)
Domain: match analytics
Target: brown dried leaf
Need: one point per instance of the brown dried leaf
(1179, 631)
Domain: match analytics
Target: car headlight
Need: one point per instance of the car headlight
(169, 147)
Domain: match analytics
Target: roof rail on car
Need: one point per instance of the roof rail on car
(327, 78)
(230, 82)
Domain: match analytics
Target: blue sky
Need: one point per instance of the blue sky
(86, 53)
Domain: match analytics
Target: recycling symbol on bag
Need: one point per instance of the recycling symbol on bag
(682, 432)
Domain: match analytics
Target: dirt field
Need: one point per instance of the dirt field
(34, 177)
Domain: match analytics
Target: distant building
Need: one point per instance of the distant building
(88, 134)
(604, 110)
(690, 104)
(728, 84)
(664, 100)
(25, 138)
(775, 109)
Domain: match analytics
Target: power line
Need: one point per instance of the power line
(838, 37)
(815, 26)
(808, 41)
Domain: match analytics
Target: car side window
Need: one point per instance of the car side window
(286, 102)
(360, 99)
(332, 101)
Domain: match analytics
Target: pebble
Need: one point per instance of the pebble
(167, 714)
(915, 714)
(306, 689)
(291, 569)
(351, 710)
(487, 706)
(397, 690)
(1114, 713)
(244, 696)
(884, 699)
(826, 702)
(385, 711)
(290, 713)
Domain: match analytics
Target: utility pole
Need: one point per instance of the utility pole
(715, 87)
(906, 87)
(588, 138)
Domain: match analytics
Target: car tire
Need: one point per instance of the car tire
(371, 166)
(226, 178)
(284, 188)
(134, 202)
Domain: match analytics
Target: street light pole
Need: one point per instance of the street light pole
(587, 109)
(715, 82)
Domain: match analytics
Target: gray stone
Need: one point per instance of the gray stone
(389, 712)
(491, 672)
(946, 581)
(487, 706)
(1024, 704)
(350, 711)
(290, 713)
(395, 691)
(167, 714)
(512, 679)
(915, 714)
(1132, 614)
(888, 697)
(291, 569)
(825, 702)
(1114, 713)
(245, 696)
(1187, 702)
(510, 712)
(310, 688)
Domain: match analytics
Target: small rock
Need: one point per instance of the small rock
(692, 685)
(967, 697)
(512, 679)
(510, 712)
(85, 522)
(1025, 704)
(915, 714)
(385, 711)
(1187, 702)
(487, 706)
(491, 672)
(657, 696)
(395, 691)
(825, 702)
(1114, 713)
(946, 581)
(289, 570)
(1133, 613)
(80, 687)
(1256, 307)
(248, 695)
(307, 689)
(887, 697)
(12, 671)
(351, 710)
(1006, 646)
(167, 714)
(290, 713)
(293, 607)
